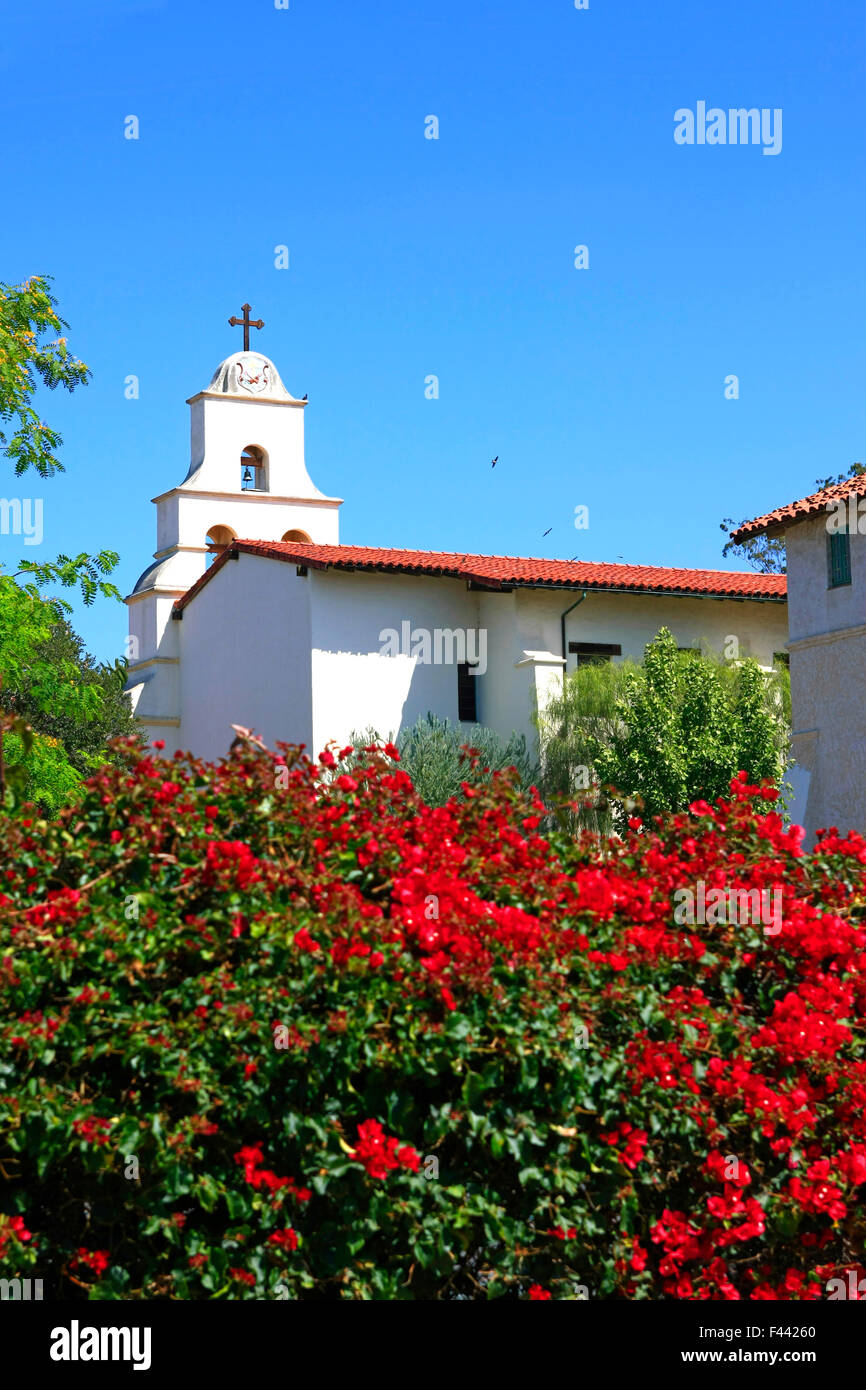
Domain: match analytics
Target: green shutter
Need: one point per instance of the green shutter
(838, 559)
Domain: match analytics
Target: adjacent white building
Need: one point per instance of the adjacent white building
(254, 613)
(826, 561)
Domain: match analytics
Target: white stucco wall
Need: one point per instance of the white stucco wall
(828, 678)
(245, 643)
(185, 517)
(813, 606)
(632, 620)
(505, 702)
(222, 426)
(150, 625)
(356, 686)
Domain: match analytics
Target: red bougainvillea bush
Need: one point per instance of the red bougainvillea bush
(270, 1030)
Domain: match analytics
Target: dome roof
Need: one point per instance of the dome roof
(247, 375)
(147, 580)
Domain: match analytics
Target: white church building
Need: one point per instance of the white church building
(254, 613)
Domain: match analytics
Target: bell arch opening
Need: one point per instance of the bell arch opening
(254, 469)
(216, 541)
(296, 535)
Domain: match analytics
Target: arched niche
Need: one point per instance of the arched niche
(216, 541)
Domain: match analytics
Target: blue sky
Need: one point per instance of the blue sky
(455, 257)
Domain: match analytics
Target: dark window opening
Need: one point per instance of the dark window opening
(467, 684)
(593, 653)
(838, 559)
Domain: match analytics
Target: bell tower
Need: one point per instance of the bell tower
(247, 480)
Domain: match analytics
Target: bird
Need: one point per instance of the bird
(495, 461)
(304, 396)
(547, 532)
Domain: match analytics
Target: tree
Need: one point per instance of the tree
(73, 705)
(27, 625)
(30, 355)
(40, 772)
(671, 731)
(766, 554)
(855, 471)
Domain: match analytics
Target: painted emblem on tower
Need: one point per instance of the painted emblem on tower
(252, 374)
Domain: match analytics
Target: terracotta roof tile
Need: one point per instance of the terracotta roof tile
(783, 517)
(504, 571)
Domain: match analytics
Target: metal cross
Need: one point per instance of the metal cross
(246, 323)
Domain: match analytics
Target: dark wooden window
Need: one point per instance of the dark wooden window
(467, 684)
(838, 559)
(588, 653)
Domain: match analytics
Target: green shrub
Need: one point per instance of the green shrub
(433, 753)
(669, 731)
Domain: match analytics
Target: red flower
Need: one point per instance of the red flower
(18, 1228)
(381, 1154)
(287, 1239)
(305, 942)
(93, 1129)
(96, 1260)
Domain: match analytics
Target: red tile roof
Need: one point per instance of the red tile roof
(783, 517)
(505, 571)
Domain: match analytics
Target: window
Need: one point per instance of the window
(838, 559)
(297, 536)
(467, 709)
(254, 474)
(593, 653)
